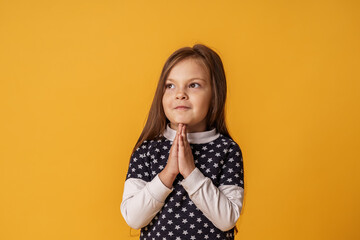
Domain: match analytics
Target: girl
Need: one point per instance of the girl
(185, 178)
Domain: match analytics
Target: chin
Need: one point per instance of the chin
(179, 120)
(182, 121)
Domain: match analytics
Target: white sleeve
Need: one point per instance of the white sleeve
(142, 201)
(222, 206)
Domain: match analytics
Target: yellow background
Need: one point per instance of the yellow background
(77, 79)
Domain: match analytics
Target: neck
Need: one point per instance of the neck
(194, 137)
(200, 127)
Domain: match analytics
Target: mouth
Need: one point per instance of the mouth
(182, 108)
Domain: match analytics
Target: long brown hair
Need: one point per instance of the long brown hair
(157, 120)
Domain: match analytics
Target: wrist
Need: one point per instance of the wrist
(187, 171)
(167, 178)
(171, 174)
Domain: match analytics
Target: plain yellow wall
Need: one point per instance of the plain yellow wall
(77, 79)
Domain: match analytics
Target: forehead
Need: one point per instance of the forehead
(188, 69)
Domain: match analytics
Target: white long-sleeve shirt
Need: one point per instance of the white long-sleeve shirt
(205, 205)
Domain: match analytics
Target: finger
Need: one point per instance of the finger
(185, 134)
(180, 127)
(185, 142)
(177, 137)
(182, 131)
(181, 142)
(175, 153)
(178, 131)
(173, 143)
(174, 146)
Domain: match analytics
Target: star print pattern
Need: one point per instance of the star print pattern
(220, 160)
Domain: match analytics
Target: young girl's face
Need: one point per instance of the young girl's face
(188, 85)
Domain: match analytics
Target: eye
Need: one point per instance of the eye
(167, 85)
(194, 84)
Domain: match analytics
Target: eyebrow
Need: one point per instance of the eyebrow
(169, 79)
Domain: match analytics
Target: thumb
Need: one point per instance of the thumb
(175, 146)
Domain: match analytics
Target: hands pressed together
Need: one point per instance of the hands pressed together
(180, 159)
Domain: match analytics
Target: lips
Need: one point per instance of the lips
(181, 107)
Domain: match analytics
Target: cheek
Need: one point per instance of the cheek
(165, 102)
(204, 101)
(164, 99)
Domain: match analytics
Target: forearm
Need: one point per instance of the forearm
(221, 206)
(142, 201)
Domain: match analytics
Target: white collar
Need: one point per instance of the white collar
(195, 137)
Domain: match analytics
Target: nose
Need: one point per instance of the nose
(181, 94)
